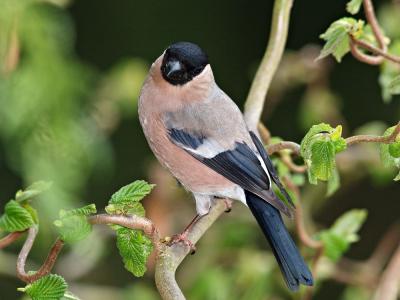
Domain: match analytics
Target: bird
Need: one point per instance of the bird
(198, 133)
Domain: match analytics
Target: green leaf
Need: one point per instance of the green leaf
(337, 37)
(318, 148)
(333, 183)
(394, 86)
(49, 287)
(133, 192)
(82, 211)
(126, 200)
(73, 225)
(353, 7)
(338, 238)
(389, 78)
(32, 190)
(390, 153)
(15, 217)
(135, 248)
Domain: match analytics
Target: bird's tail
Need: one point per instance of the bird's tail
(293, 267)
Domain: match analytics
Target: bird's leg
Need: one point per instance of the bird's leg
(183, 236)
(228, 204)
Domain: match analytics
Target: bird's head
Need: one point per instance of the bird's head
(182, 62)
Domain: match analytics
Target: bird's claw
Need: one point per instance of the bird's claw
(228, 204)
(183, 238)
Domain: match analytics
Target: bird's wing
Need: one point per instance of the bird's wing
(223, 147)
(270, 167)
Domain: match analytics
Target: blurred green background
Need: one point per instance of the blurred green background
(71, 72)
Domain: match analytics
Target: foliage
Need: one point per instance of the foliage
(49, 287)
(318, 148)
(133, 245)
(390, 153)
(343, 232)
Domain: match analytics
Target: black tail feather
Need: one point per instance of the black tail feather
(293, 267)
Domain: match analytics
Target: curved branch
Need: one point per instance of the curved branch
(373, 138)
(282, 146)
(172, 256)
(388, 287)
(133, 222)
(372, 60)
(279, 29)
(48, 263)
(10, 238)
(373, 22)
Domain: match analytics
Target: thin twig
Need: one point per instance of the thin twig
(133, 222)
(279, 29)
(373, 138)
(388, 287)
(373, 22)
(375, 50)
(287, 160)
(365, 58)
(48, 263)
(23, 254)
(10, 238)
(282, 146)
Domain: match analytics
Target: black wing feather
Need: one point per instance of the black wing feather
(270, 166)
(240, 165)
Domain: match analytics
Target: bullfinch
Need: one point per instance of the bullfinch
(198, 133)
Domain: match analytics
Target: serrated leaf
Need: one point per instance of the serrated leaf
(126, 200)
(318, 148)
(73, 225)
(82, 211)
(338, 238)
(135, 248)
(133, 192)
(15, 217)
(353, 7)
(337, 37)
(32, 191)
(49, 287)
(73, 228)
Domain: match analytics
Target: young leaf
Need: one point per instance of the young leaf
(318, 148)
(337, 37)
(73, 225)
(133, 192)
(134, 248)
(32, 191)
(49, 287)
(126, 200)
(353, 7)
(390, 153)
(15, 217)
(338, 238)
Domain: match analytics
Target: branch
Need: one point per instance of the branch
(372, 60)
(269, 63)
(132, 222)
(172, 256)
(282, 146)
(10, 238)
(373, 22)
(373, 138)
(388, 287)
(48, 263)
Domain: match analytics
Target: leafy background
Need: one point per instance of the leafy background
(68, 114)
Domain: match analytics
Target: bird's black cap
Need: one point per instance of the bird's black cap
(182, 62)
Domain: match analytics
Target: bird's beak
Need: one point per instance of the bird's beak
(172, 67)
